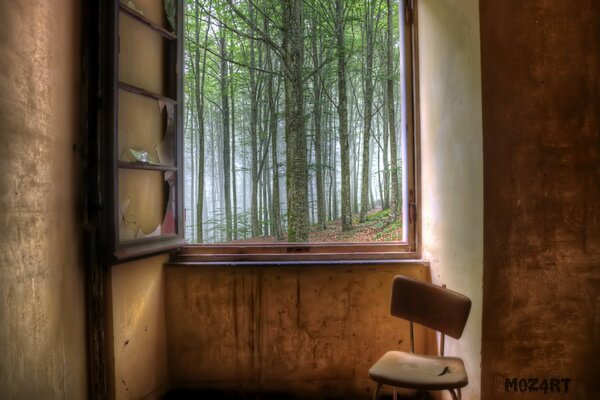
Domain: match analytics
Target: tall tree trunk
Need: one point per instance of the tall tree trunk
(317, 127)
(244, 183)
(233, 169)
(253, 135)
(276, 228)
(392, 113)
(199, 94)
(224, 82)
(379, 172)
(213, 177)
(296, 174)
(368, 110)
(311, 191)
(334, 173)
(191, 126)
(343, 116)
(386, 141)
(354, 143)
(265, 196)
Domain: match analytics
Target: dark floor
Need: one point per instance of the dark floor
(220, 395)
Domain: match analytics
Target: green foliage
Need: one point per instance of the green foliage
(252, 28)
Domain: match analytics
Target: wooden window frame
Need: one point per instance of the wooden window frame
(109, 163)
(334, 252)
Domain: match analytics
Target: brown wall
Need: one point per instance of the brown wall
(541, 118)
(309, 330)
(42, 302)
(136, 330)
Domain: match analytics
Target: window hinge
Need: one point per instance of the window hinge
(412, 208)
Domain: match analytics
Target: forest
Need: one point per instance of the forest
(291, 121)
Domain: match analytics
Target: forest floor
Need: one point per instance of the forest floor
(376, 228)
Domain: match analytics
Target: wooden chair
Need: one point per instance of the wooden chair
(437, 308)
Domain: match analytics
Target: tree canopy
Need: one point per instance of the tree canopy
(290, 119)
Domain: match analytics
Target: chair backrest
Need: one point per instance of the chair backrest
(432, 306)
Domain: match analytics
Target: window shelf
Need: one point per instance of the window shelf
(149, 167)
(146, 93)
(151, 24)
(148, 246)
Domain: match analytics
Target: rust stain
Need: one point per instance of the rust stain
(290, 338)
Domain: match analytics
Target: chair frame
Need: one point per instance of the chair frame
(455, 393)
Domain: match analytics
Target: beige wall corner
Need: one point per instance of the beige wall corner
(139, 368)
(42, 301)
(452, 162)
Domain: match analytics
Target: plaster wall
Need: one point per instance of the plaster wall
(42, 302)
(139, 368)
(304, 330)
(541, 119)
(452, 162)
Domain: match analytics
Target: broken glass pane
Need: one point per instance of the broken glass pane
(141, 127)
(166, 149)
(143, 203)
(142, 54)
(168, 225)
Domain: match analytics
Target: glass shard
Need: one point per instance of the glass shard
(170, 13)
(166, 149)
(168, 225)
(143, 156)
(131, 5)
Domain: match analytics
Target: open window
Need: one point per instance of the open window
(331, 173)
(280, 140)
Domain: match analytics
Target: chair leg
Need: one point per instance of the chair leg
(459, 394)
(453, 394)
(376, 394)
(395, 393)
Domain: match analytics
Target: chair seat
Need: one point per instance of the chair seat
(414, 371)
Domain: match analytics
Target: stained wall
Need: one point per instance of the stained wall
(452, 162)
(42, 302)
(541, 124)
(303, 330)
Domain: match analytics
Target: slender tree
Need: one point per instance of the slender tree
(233, 159)
(273, 106)
(317, 124)
(369, 14)
(224, 82)
(254, 133)
(342, 108)
(391, 113)
(200, 78)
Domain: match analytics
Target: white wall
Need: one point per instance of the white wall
(452, 162)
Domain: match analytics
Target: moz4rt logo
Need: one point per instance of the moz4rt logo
(554, 385)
